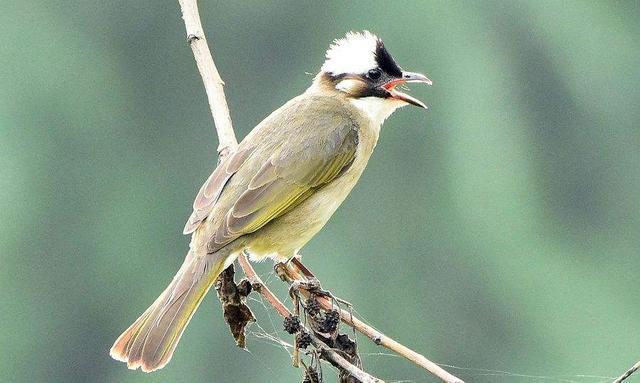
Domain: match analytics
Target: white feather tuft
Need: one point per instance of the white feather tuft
(354, 53)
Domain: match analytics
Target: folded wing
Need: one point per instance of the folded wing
(260, 183)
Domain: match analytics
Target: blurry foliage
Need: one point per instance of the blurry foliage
(510, 208)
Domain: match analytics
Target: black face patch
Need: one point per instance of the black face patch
(386, 62)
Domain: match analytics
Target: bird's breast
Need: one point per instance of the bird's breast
(284, 236)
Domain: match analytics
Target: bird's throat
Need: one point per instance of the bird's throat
(376, 109)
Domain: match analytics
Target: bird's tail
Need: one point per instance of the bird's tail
(150, 341)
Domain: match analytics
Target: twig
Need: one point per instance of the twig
(628, 373)
(213, 84)
(338, 361)
(227, 143)
(260, 287)
(328, 354)
(297, 271)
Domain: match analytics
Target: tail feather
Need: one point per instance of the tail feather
(150, 341)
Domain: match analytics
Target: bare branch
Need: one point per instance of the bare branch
(213, 84)
(298, 272)
(260, 287)
(328, 354)
(628, 373)
(228, 143)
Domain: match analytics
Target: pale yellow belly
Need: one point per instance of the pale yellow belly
(284, 236)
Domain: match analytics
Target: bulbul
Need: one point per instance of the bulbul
(280, 187)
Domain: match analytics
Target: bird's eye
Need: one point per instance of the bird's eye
(374, 74)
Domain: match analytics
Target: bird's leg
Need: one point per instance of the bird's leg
(305, 270)
(311, 303)
(300, 277)
(295, 260)
(297, 277)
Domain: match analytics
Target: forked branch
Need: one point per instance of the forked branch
(296, 271)
(327, 353)
(228, 143)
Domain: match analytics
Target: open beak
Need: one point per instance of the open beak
(407, 77)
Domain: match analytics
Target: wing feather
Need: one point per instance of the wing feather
(275, 189)
(210, 192)
(274, 169)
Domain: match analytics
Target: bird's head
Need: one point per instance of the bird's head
(360, 66)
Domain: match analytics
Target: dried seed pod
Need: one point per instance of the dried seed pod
(330, 321)
(312, 306)
(346, 344)
(291, 324)
(303, 339)
(244, 288)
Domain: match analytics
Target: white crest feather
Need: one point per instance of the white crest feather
(354, 53)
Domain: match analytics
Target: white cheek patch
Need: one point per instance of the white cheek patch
(348, 85)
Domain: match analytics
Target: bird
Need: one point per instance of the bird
(281, 185)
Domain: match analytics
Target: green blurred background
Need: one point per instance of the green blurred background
(498, 230)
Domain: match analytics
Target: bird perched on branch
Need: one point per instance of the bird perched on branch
(279, 188)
